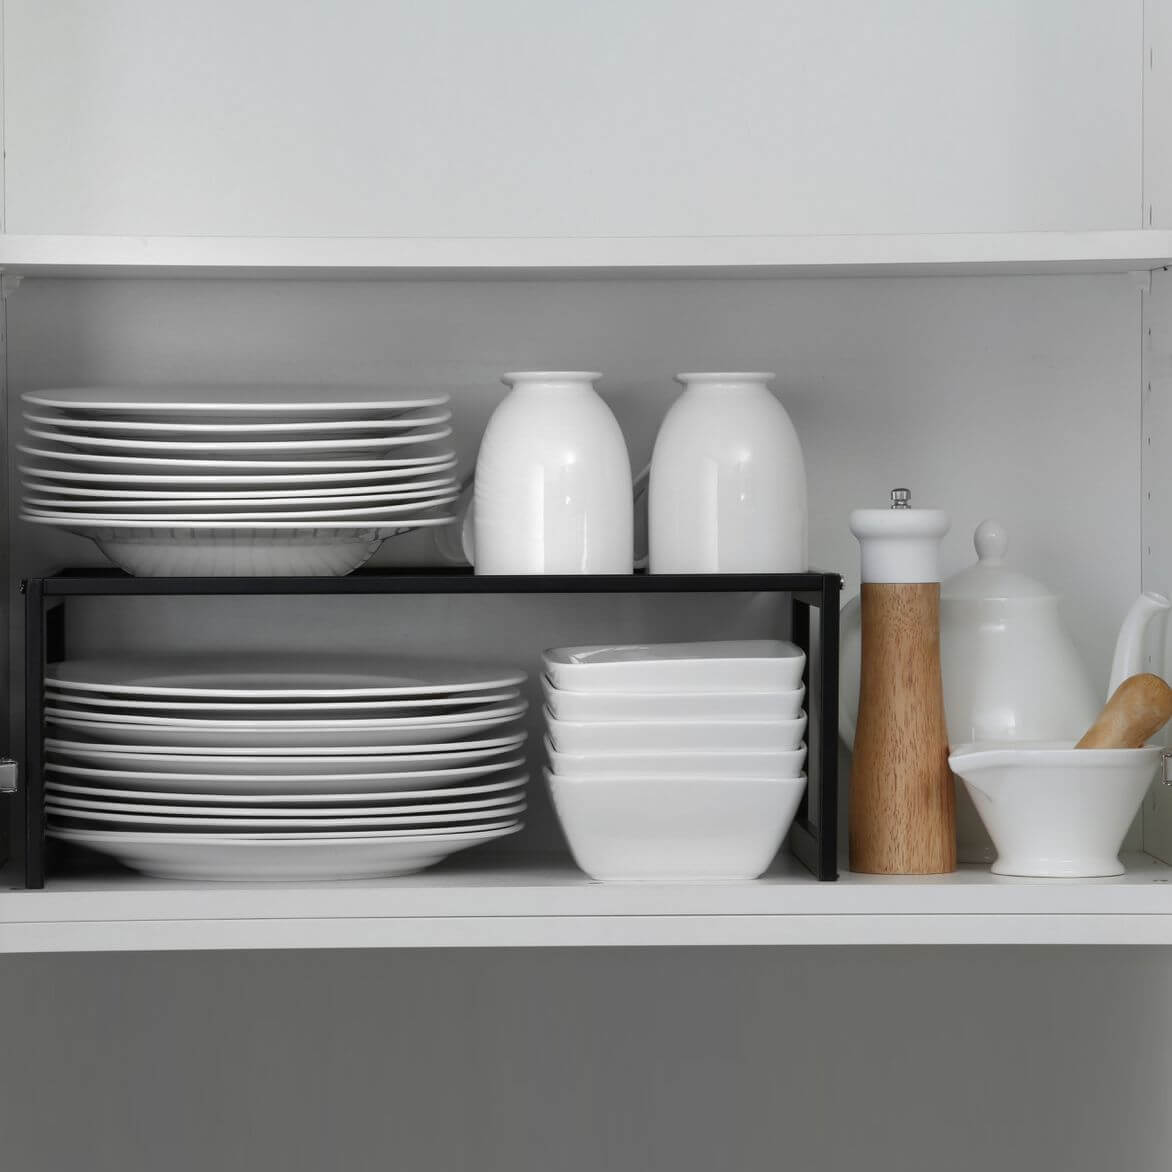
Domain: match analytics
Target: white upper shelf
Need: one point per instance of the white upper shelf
(389, 258)
(541, 903)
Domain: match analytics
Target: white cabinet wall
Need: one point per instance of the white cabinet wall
(1021, 373)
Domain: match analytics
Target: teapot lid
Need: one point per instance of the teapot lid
(991, 577)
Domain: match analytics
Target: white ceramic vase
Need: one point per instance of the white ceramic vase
(728, 482)
(553, 481)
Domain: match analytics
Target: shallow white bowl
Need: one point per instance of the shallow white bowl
(700, 829)
(1053, 810)
(667, 736)
(781, 705)
(211, 549)
(766, 765)
(745, 665)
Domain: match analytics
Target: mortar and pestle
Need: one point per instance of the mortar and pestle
(1063, 811)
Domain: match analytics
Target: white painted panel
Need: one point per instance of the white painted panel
(1157, 120)
(656, 1060)
(524, 118)
(1156, 504)
(1007, 397)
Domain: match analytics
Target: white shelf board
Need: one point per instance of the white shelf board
(530, 257)
(548, 903)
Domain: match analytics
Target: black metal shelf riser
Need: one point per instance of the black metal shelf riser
(813, 839)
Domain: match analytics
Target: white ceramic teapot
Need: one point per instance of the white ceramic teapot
(1010, 670)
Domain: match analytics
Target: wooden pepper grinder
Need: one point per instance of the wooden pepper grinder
(902, 798)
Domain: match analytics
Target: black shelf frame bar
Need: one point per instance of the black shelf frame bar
(814, 836)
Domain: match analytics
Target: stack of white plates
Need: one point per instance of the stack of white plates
(282, 769)
(216, 482)
(681, 761)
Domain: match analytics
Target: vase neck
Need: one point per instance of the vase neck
(552, 381)
(724, 384)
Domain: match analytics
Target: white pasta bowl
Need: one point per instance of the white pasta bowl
(768, 765)
(778, 705)
(663, 736)
(700, 829)
(1055, 811)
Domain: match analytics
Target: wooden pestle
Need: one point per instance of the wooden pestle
(1139, 708)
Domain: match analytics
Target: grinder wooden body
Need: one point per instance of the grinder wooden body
(902, 796)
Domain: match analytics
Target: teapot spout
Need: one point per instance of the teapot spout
(1129, 648)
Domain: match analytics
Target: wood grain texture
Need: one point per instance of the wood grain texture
(1136, 711)
(902, 798)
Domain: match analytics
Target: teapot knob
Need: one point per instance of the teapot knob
(991, 542)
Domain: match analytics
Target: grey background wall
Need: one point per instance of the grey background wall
(675, 1060)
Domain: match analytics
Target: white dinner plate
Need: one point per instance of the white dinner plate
(461, 819)
(344, 476)
(672, 705)
(279, 677)
(246, 858)
(253, 449)
(242, 429)
(176, 465)
(667, 736)
(236, 402)
(281, 759)
(745, 665)
(455, 795)
(316, 784)
(404, 490)
(327, 514)
(763, 764)
(90, 705)
(216, 735)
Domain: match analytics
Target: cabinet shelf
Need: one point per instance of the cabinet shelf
(399, 258)
(510, 902)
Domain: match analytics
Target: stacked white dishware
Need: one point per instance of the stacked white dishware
(677, 761)
(230, 481)
(282, 767)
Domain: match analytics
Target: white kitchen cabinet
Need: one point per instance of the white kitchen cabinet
(946, 227)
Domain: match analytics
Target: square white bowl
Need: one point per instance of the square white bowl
(764, 766)
(667, 736)
(781, 705)
(702, 829)
(746, 665)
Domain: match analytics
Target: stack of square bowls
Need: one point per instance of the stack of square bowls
(677, 761)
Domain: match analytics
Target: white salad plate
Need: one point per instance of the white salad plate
(331, 784)
(222, 735)
(325, 807)
(672, 705)
(342, 477)
(177, 465)
(246, 448)
(282, 759)
(101, 497)
(326, 514)
(748, 665)
(284, 858)
(236, 428)
(763, 764)
(237, 402)
(666, 736)
(91, 706)
(255, 677)
(469, 819)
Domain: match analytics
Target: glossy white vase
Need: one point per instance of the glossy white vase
(553, 481)
(728, 482)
